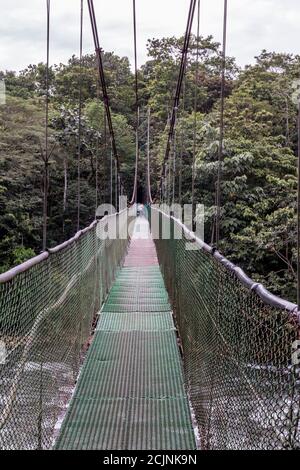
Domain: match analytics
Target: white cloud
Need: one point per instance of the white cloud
(252, 26)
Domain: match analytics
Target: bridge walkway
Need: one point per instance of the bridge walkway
(130, 393)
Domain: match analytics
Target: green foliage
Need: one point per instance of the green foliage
(21, 254)
(258, 224)
(258, 189)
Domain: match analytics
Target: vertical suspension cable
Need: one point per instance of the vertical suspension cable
(221, 139)
(182, 70)
(150, 201)
(181, 146)
(294, 369)
(79, 119)
(165, 187)
(174, 167)
(165, 193)
(116, 186)
(98, 194)
(298, 215)
(103, 83)
(111, 175)
(169, 180)
(180, 171)
(134, 194)
(46, 155)
(195, 117)
(216, 226)
(105, 163)
(96, 174)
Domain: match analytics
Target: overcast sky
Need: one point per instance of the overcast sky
(252, 26)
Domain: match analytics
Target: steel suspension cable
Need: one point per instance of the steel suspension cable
(221, 138)
(174, 167)
(179, 83)
(295, 369)
(195, 116)
(134, 193)
(111, 175)
(181, 147)
(46, 155)
(164, 185)
(167, 175)
(96, 174)
(97, 170)
(79, 119)
(150, 200)
(105, 163)
(116, 185)
(298, 215)
(169, 181)
(103, 82)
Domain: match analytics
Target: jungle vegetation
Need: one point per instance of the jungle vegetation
(258, 224)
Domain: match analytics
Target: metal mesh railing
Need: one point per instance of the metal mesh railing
(47, 308)
(237, 340)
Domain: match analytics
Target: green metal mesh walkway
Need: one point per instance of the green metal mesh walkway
(130, 394)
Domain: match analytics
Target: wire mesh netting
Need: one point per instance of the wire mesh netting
(47, 309)
(130, 394)
(239, 370)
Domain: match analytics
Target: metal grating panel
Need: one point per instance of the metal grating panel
(136, 307)
(130, 394)
(135, 322)
(134, 423)
(131, 365)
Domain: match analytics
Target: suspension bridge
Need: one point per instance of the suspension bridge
(141, 341)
